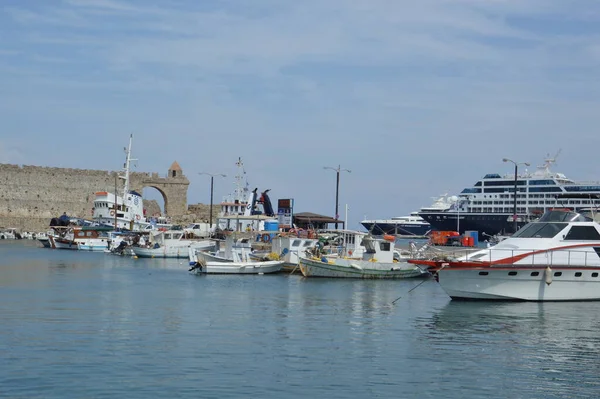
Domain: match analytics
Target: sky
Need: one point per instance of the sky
(415, 98)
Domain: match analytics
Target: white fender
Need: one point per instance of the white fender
(548, 275)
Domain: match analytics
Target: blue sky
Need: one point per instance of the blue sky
(417, 98)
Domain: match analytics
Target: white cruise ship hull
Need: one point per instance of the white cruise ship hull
(525, 284)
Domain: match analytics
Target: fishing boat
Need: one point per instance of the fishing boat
(377, 262)
(171, 244)
(244, 209)
(124, 210)
(233, 249)
(90, 238)
(200, 266)
(555, 258)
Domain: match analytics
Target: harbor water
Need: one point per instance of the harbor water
(93, 325)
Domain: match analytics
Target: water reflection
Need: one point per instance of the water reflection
(544, 347)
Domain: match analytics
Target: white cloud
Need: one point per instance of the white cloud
(382, 86)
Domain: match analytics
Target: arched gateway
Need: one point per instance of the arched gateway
(173, 188)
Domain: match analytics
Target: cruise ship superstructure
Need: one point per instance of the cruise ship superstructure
(488, 206)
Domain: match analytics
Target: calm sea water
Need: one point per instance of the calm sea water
(85, 325)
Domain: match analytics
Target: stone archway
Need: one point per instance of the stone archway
(153, 204)
(173, 188)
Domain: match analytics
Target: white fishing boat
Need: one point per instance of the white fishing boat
(124, 210)
(291, 247)
(556, 258)
(267, 267)
(9, 234)
(44, 240)
(377, 262)
(244, 210)
(233, 249)
(92, 238)
(171, 244)
(342, 243)
(93, 244)
(202, 267)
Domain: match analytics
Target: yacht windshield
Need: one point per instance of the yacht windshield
(540, 230)
(562, 216)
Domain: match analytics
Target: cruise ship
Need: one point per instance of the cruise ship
(488, 206)
(411, 225)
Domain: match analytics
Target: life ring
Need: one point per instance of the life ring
(266, 237)
(137, 217)
(112, 213)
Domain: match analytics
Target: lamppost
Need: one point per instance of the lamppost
(515, 193)
(337, 189)
(212, 179)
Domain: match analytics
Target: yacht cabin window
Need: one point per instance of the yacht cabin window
(583, 233)
(296, 243)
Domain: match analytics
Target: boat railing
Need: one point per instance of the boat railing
(572, 257)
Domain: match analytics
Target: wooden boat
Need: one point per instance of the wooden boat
(377, 262)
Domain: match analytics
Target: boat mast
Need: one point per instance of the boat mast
(240, 191)
(126, 168)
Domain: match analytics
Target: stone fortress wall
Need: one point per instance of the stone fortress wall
(31, 195)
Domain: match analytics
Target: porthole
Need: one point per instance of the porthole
(483, 273)
(512, 273)
(594, 274)
(578, 274)
(535, 274)
(557, 274)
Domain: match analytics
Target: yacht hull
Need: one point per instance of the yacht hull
(521, 284)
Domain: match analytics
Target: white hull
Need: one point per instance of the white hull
(497, 284)
(208, 257)
(351, 268)
(62, 244)
(99, 246)
(170, 251)
(238, 267)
